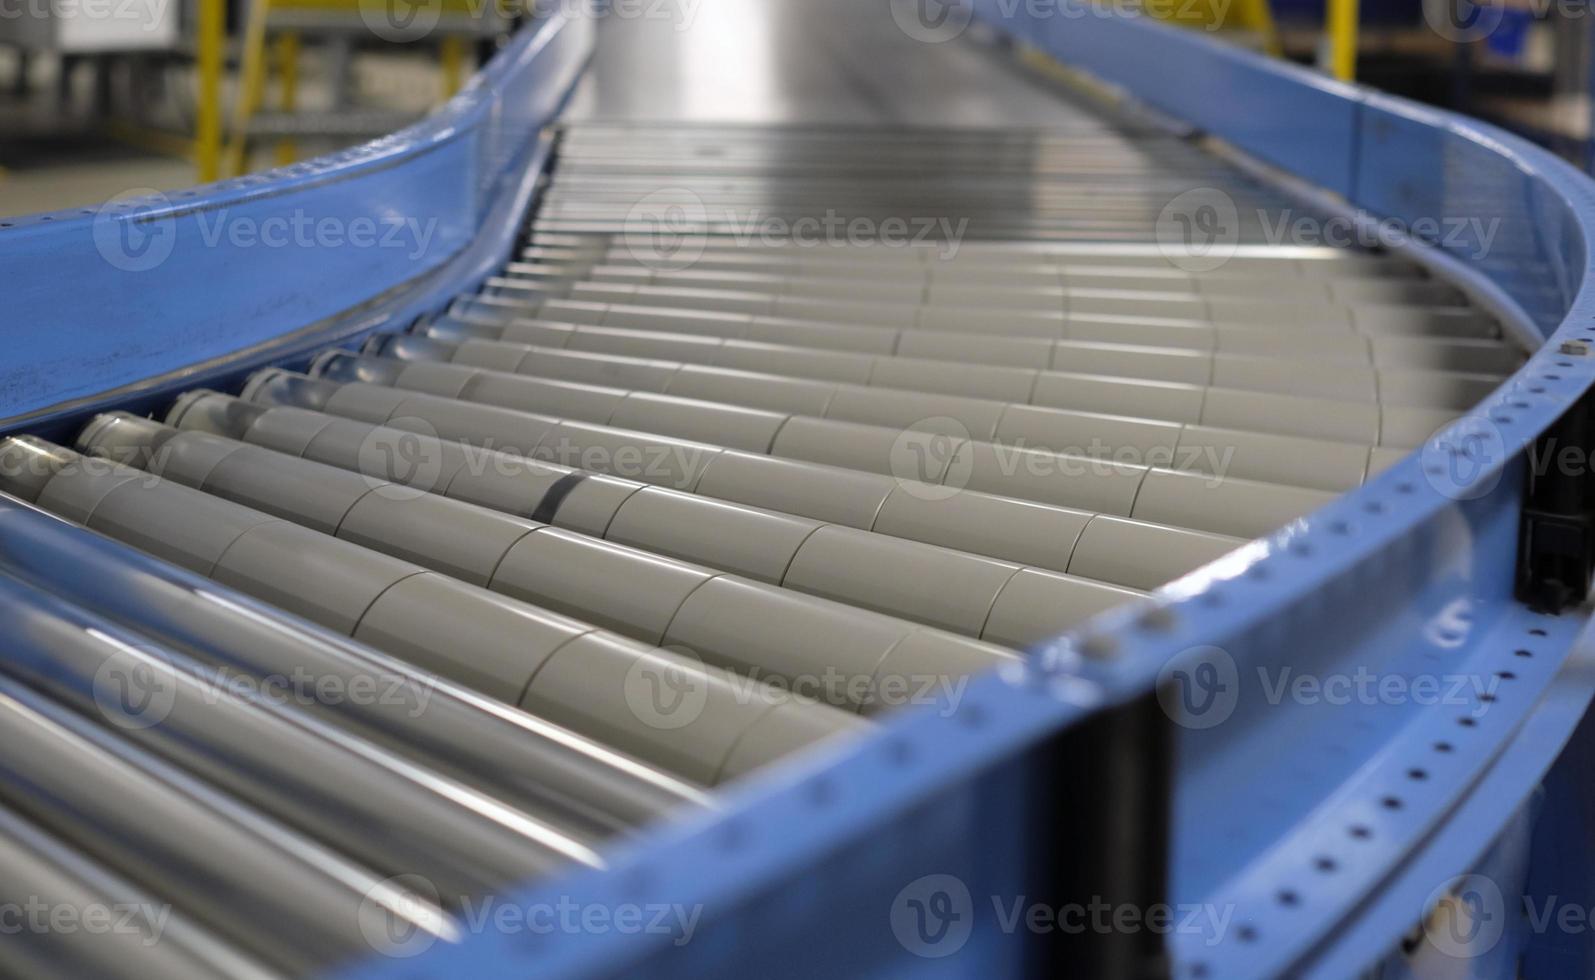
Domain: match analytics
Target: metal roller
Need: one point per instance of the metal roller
(689, 366)
(146, 820)
(1301, 263)
(840, 486)
(1090, 346)
(1158, 346)
(636, 593)
(860, 422)
(523, 760)
(1027, 398)
(757, 542)
(116, 929)
(746, 267)
(506, 649)
(1020, 311)
(1192, 298)
(395, 817)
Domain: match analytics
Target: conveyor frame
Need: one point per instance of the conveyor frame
(804, 868)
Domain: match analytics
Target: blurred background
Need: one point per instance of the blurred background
(99, 96)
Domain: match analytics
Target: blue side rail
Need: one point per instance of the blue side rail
(1364, 718)
(188, 282)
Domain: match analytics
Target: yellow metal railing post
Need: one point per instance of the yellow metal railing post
(1343, 17)
(252, 86)
(211, 28)
(452, 58)
(1256, 15)
(288, 74)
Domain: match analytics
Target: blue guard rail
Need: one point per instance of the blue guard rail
(1151, 754)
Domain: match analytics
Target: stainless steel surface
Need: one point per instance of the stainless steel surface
(787, 61)
(148, 820)
(394, 816)
(144, 939)
(509, 754)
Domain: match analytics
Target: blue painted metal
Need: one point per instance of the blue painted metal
(818, 870)
(1280, 810)
(1290, 117)
(900, 854)
(153, 283)
(1509, 869)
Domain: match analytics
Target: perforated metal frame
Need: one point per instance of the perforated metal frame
(1411, 575)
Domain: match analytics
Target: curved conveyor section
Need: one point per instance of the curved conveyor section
(792, 488)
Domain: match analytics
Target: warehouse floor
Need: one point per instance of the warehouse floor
(54, 155)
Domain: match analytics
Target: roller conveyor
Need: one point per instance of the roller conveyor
(464, 505)
(758, 467)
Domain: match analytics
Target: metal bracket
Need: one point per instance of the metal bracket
(1556, 546)
(1125, 756)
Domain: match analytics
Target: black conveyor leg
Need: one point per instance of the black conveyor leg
(1104, 823)
(1556, 540)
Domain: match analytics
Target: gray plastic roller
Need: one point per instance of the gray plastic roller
(524, 760)
(1022, 311)
(907, 284)
(413, 613)
(1244, 355)
(876, 421)
(1239, 450)
(744, 540)
(633, 592)
(775, 548)
(892, 303)
(822, 483)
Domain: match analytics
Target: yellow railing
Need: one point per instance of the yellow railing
(211, 27)
(1343, 16)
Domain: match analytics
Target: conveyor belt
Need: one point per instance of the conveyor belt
(765, 434)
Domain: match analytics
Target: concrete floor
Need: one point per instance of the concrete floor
(54, 156)
(81, 173)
